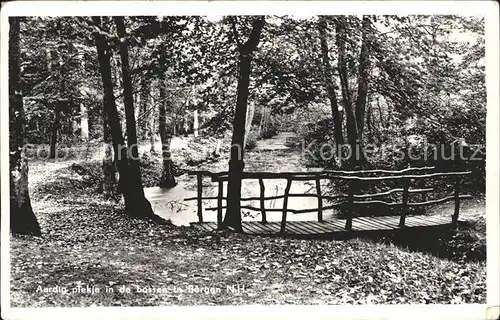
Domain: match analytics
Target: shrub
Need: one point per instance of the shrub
(314, 135)
(269, 131)
(251, 140)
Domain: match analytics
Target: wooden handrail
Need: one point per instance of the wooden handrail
(389, 192)
(296, 211)
(313, 195)
(332, 206)
(322, 175)
(352, 199)
(426, 203)
(294, 173)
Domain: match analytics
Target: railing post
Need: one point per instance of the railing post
(457, 202)
(285, 205)
(262, 202)
(350, 206)
(199, 196)
(320, 199)
(219, 204)
(404, 210)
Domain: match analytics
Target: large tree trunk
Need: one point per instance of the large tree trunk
(330, 84)
(140, 204)
(363, 77)
(57, 111)
(152, 127)
(143, 108)
(152, 134)
(236, 164)
(352, 132)
(167, 179)
(131, 188)
(369, 123)
(22, 218)
(109, 185)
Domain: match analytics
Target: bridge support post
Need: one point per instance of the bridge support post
(219, 204)
(199, 182)
(350, 204)
(320, 199)
(404, 211)
(285, 205)
(457, 202)
(262, 202)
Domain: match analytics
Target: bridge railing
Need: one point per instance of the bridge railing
(403, 177)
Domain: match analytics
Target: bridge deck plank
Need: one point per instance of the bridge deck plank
(332, 226)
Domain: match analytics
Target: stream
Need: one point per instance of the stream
(269, 155)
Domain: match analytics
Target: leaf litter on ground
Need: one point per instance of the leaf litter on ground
(89, 243)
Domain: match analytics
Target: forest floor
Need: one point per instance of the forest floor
(92, 254)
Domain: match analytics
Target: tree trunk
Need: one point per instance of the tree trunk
(84, 122)
(143, 108)
(139, 204)
(57, 112)
(151, 124)
(22, 218)
(84, 116)
(352, 134)
(167, 179)
(236, 163)
(330, 84)
(74, 127)
(109, 185)
(369, 122)
(152, 135)
(69, 126)
(195, 123)
(363, 77)
(382, 123)
(55, 127)
(174, 125)
(185, 124)
(131, 188)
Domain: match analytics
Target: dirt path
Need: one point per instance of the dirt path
(269, 155)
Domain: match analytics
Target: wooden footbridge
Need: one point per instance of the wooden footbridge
(354, 220)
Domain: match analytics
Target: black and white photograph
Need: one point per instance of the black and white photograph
(296, 158)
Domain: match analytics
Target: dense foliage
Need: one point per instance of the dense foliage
(426, 75)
